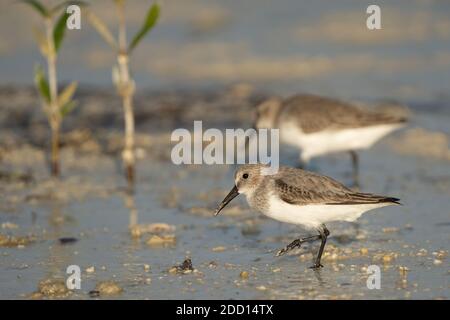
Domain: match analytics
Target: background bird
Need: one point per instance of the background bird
(319, 125)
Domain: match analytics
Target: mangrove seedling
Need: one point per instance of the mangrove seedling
(124, 83)
(56, 106)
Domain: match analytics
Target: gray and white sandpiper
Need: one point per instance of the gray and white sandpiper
(319, 125)
(303, 198)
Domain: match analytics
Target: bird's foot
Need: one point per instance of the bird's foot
(294, 244)
(316, 266)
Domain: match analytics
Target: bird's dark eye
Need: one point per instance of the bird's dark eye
(245, 175)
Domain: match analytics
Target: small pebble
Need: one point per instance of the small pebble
(67, 240)
(108, 288)
(261, 288)
(94, 293)
(387, 258)
(185, 268)
(390, 230)
(422, 253)
(161, 240)
(437, 262)
(441, 254)
(9, 225)
(173, 270)
(53, 288)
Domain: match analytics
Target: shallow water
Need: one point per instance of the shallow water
(415, 236)
(91, 205)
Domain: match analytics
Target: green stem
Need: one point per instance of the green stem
(126, 91)
(54, 116)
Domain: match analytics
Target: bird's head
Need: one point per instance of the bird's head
(267, 113)
(246, 179)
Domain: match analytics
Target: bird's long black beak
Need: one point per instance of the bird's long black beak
(230, 196)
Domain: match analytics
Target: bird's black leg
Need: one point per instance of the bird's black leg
(301, 164)
(296, 243)
(323, 234)
(355, 164)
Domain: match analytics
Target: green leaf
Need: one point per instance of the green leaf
(67, 108)
(39, 7)
(150, 21)
(59, 30)
(42, 41)
(67, 94)
(42, 83)
(102, 29)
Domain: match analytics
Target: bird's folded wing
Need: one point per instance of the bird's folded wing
(320, 113)
(323, 190)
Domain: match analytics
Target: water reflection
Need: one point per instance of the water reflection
(53, 285)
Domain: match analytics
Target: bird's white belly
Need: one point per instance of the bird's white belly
(313, 215)
(315, 144)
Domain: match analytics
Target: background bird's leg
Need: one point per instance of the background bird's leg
(301, 164)
(296, 243)
(324, 233)
(355, 164)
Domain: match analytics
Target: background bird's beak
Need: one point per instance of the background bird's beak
(230, 196)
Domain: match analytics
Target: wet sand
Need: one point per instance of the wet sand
(88, 219)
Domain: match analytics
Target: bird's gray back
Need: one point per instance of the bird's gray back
(314, 113)
(302, 187)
